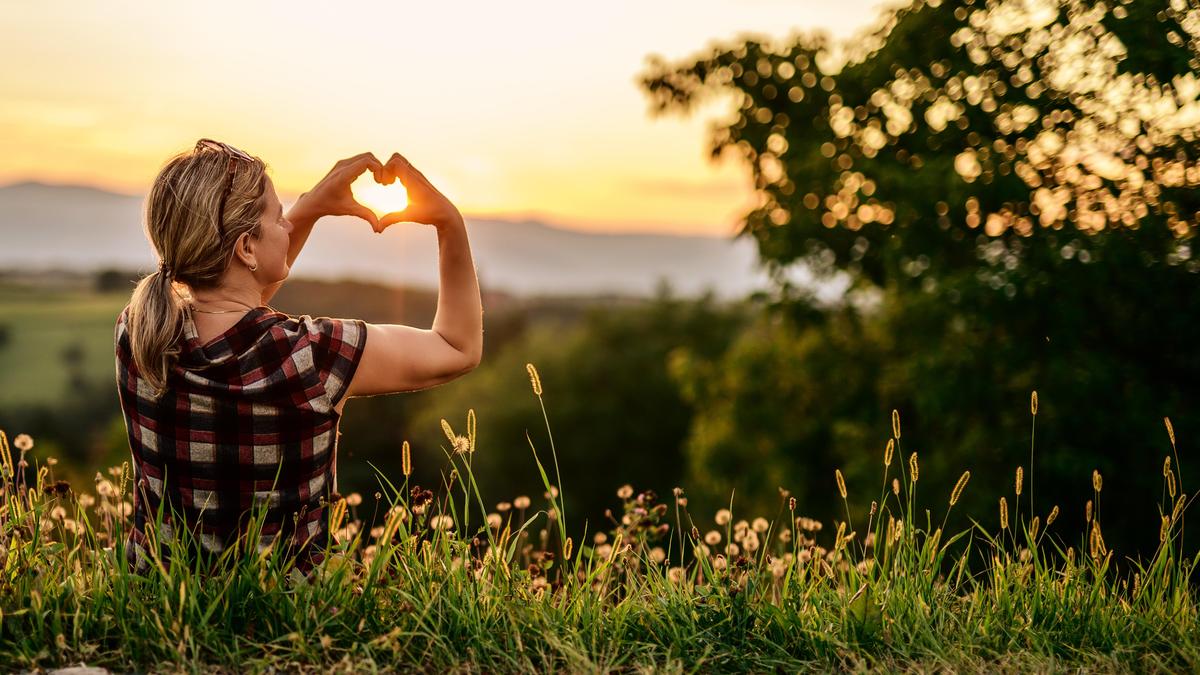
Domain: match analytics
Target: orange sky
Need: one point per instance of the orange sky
(511, 109)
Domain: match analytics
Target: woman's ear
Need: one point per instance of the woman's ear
(244, 249)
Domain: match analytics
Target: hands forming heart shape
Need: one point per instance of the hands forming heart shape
(414, 200)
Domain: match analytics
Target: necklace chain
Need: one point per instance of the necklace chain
(223, 311)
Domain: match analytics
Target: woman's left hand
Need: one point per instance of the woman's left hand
(332, 195)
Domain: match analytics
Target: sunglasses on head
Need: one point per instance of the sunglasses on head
(233, 154)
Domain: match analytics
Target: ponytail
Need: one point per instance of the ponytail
(155, 326)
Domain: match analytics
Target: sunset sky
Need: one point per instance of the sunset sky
(519, 109)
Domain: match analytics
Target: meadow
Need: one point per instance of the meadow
(442, 578)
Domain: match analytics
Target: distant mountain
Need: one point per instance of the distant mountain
(84, 228)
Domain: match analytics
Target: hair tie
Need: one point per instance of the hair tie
(164, 269)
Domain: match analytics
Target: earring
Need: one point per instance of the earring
(254, 268)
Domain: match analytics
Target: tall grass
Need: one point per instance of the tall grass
(447, 583)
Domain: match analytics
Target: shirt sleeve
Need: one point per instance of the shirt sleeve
(337, 347)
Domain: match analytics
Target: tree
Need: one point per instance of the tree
(1016, 181)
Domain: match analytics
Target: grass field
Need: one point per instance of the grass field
(41, 325)
(444, 580)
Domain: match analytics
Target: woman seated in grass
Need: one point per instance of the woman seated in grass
(232, 406)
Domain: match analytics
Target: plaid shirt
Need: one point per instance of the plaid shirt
(255, 402)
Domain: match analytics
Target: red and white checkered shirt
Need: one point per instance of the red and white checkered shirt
(247, 420)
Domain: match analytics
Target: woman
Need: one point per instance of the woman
(232, 406)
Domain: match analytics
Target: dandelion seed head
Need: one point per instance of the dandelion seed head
(521, 502)
(354, 499)
(625, 492)
(732, 549)
(723, 516)
(760, 525)
(23, 442)
(750, 542)
(599, 538)
(657, 555)
(494, 520)
(503, 507)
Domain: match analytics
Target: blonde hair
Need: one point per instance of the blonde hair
(181, 223)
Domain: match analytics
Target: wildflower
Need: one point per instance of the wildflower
(719, 562)
(913, 467)
(51, 461)
(712, 538)
(896, 424)
(354, 499)
(785, 536)
(1020, 479)
(1033, 403)
(760, 525)
(604, 550)
(792, 504)
(1170, 430)
(732, 549)
(534, 379)
(750, 541)
(841, 482)
(676, 575)
(625, 491)
(106, 489)
(600, 538)
(521, 502)
(778, 568)
(723, 516)
(58, 513)
(1003, 513)
(551, 493)
(86, 500)
(494, 520)
(804, 555)
(406, 459)
(695, 533)
(441, 522)
(376, 532)
(874, 507)
(887, 452)
(539, 585)
(23, 442)
(1097, 481)
(657, 555)
(462, 445)
(419, 496)
(1053, 514)
(958, 487)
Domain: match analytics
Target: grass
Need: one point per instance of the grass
(444, 583)
(42, 324)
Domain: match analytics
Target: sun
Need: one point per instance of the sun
(382, 199)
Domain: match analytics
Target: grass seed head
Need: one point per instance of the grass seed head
(958, 487)
(1033, 402)
(1166, 465)
(896, 424)
(1178, 510)
(1034, 527)
(1087, 510)
(450, 435)
(1171, 483)
(841, 482)
(1053, 514)
(1170, 430)
(1097, 481)
(792, 504)
(1003, 513)
(1020, 479)
(913, 467)
(1164, 529)
(887, 452)
(534, 379)
(406, 459)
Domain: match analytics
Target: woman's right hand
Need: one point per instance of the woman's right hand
(425, 204)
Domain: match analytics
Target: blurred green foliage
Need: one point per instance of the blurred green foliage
(1013, 214)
